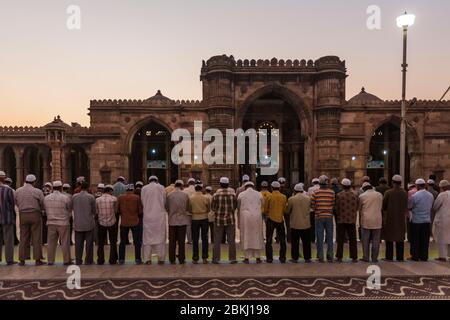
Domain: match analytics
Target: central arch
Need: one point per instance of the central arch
(149, 148)
(276, 107)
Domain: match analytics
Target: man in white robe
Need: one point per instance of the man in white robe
(153, 197)
(441, 224)
(250, 203)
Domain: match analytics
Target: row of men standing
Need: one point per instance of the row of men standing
(144, 214)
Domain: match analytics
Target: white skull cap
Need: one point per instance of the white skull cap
(224, 180)
(30, 178)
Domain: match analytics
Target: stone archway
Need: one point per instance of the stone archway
(33, 163)
(383, 150)
(279, 108)
(9, 164)
(148, 148)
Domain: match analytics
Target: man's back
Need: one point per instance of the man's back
(223, 205)
(29, 199)
(57, 208)
(129, 207)
(371, 203)
(322, 202)
(276, 205)
(153, 197)
(83, 205)
(106, 207)
(298, 208)
(421, 205)
(347, 204)
(177, 207)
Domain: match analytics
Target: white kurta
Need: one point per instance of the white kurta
(153, 198)
(250, 203)
(441, 224)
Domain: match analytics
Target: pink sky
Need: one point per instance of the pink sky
(130, 49)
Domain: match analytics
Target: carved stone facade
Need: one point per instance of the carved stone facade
(321, 132)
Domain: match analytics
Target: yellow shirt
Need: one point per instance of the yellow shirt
(265, 194)
(199, 206)
(275, 206)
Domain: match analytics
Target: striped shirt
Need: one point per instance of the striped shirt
(322, 203)
(7, 212)
(223, 205)
(106, 210)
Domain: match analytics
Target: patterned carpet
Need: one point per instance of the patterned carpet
(410, 287)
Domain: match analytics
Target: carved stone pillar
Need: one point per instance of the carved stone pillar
(56, 162)
(330, 88)
(45, 165)
(65, 165)
(18, 153)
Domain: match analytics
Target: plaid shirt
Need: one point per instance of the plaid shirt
(58, 208)
(29, 199)
(106, 210)
(223, 205)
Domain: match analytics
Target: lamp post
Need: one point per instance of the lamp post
(404, 21)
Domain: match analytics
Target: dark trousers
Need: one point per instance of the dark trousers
(399, 250)
(420, 240)
(230, 231)
(7, 239)
(287, 222)
(137, 242)
(103, 233)
(312, 220)
(271, 226)
(305, 236)
(44, 229)
(177, 236)
(211, 230)
(70, 230)
(348, 229)
(84, 239)
(199, 226)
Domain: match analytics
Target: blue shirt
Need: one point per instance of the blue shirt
(421, 204)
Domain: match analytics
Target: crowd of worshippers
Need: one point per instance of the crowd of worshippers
(192, 212)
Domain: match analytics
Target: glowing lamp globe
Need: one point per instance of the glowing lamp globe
(405, 20)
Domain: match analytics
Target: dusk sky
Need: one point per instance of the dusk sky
(130, 49)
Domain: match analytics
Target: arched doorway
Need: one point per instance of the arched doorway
(33, 164)
(150, 154)
(271, 111)
(78, 163)
(10, 164)
(384, 153)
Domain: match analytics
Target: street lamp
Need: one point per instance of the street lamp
(404, 21)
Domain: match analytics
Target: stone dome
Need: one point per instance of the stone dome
(364, 98)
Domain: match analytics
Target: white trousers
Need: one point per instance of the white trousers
(158, 249)
(252, 253)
